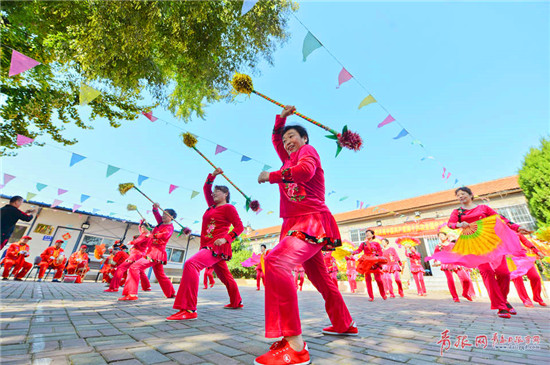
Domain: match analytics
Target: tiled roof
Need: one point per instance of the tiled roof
(442, 198)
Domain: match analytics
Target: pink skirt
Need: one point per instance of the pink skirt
(391, 268)
(416, 268)
(318, 229)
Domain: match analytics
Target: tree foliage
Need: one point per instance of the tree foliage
(534, 180)
(183, 53)
(240, 254)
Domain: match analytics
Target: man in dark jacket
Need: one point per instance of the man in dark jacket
(9, 215)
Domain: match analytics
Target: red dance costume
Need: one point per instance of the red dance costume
(497, 278)
(15, 258)
(533, 276)
(78, 264)
(49, 261)
(449, 269)
(332, 267)
(351, 273)
(299, 276)
(392, 268)
(308, 226)
(140, 247)
(260, 275)
(417, 271)
(370, 248)
(209, 277)
(216, 223)
(155, 257)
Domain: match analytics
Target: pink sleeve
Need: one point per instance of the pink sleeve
(165, 233)
(207, 189)
(359, 249)
(490, 211)
(303, 171)
(277, 139)
(453, 220)
(238, 227)
(157, 215)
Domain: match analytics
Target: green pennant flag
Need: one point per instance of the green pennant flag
(366, 101)
(310, 44)
(30, 196)
(111, 170)
(194, 194)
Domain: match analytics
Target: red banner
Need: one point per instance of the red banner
(420, 228)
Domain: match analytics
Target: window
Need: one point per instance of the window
(92, 241)
(357, 235)
(519, 214)
(177, 255)
(168, 253)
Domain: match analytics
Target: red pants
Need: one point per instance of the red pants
(82, 268)
(139, 267)
(497, 282)
(464, 278)
(260, 276)
(299, 278)
(378, 278)
(20, 268)
(189, 285)
(282, 316)
(208, 278)
(536, 285)
(351, 280)
(45, 265)
(389, 285)
(123, 268)
(419, 281)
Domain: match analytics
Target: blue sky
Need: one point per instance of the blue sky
(469, 80)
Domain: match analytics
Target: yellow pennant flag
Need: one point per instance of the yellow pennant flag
(87, 94)
(366, 101)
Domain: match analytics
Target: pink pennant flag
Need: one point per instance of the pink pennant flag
(75, 207)
(220, 149)
(172, 188)
(61, 191)
(258, 211)
(388, 120)
(448, 175)
(150, 116)
(444, 170)
(343, 76)
(55, 203)
(23, 140)
(149, 211)
(21, 63)
(361, 206)
(7, 179)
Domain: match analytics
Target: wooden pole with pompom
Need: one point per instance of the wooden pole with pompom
(191, 141)
(242, 84)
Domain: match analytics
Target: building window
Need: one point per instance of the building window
(357, 235)
(168, 253)
(92, 241)
(177, 255)
(519, 214)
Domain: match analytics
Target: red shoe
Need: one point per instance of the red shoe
(401, 295)
(351, 331)
(371, 299)
(258, 289)
(384, 297)
(149, 289)
(392, 296)
(212, 285)
(183, 315)
(111, 290)
(468, 297)
(129, 297)
(205, 287)
(542, 304)
(457, 300)
(229, 306)
(528, 304)
(511, 309)
(503, 313)
(281, 353)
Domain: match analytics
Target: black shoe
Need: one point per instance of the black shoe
(17, 279)
(56, 281)
(5, 279)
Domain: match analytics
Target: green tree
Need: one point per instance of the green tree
(240, 254)
(183, 53)
(534, 180)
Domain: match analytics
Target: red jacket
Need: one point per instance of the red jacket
(49, 252)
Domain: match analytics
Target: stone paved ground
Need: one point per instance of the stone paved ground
(49, 323)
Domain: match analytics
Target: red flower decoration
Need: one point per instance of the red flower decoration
(254, 205)
(350, 140)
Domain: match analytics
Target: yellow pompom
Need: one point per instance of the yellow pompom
(124, 188)
(131, 207)
(189, 139)
(242, 84)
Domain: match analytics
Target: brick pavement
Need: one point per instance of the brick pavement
(49, 323)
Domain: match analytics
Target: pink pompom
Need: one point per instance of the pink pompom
(254, 205)
(187, 231)
(350, 140)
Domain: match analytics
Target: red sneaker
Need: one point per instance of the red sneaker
(129, 297)
(183, 315)
(503, 313)
(468, 297)
(351, 331)
(111, 291)
(457, 300)
(149, 289)
(542, 304)
(528, 304)
(281, 353)
(229, 306)
(371, 299)
(212, 285)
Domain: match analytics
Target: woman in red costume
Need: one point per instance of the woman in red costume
(156, 257)
(532, 274)
(417, 270)
(371, 248)
(496, 276)
(140, 245)
(332, 267)
(215, 251)
(299, 276)
(446, 245)
(351, 273)
(392, 268)
(260, 276)
(208, 277)
(308, 227)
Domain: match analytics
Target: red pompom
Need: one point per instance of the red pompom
(187, 231)
(254, 205)
(350, 140)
